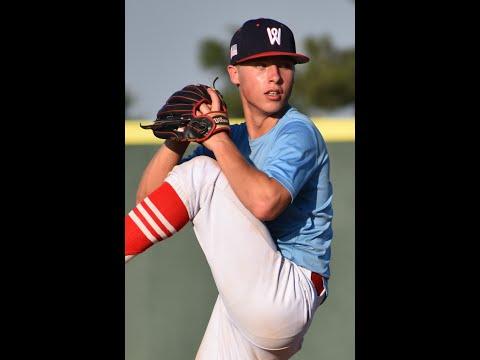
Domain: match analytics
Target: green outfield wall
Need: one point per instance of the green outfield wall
(170, 292)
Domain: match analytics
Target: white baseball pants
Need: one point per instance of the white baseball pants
(266, 302)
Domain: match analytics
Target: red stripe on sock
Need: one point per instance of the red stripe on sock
(135, 241)
(170, 205)
(144, 221)
(156, 219)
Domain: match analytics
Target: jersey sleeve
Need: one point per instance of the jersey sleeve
(294, 157)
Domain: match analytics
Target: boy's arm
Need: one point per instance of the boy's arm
(265, 197)
(158, 168)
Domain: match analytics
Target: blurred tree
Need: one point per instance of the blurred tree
(129, 100)
(213, 54)
(326, 82)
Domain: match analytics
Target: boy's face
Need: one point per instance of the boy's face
(265, 84)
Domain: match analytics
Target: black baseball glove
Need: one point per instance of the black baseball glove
(178, 119)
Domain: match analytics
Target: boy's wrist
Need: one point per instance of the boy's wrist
(217, 141)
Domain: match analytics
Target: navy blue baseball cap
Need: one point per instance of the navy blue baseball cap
(259, 38)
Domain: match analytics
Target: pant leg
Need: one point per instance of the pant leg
(266, 296)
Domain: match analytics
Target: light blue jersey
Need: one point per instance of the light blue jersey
(294, 153)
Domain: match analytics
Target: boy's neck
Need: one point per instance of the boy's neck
(260, 124)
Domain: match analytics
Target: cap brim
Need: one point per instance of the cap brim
(299, 58)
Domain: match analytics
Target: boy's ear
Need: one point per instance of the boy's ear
(233, 72)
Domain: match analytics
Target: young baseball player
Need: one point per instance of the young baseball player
(260, 200)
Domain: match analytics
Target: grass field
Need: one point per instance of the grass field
(170, 292)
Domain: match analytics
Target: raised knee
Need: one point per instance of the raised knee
(203, 161)
(200, 168)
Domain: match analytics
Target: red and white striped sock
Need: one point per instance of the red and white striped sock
(158, 216)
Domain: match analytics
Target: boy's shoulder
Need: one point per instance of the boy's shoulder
(296, 121)
(293, 115)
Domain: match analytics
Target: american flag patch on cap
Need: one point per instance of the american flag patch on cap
(233, 50)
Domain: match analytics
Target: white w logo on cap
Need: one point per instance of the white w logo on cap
(274, 35)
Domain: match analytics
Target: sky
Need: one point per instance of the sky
(162, 39)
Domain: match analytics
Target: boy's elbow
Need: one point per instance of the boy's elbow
(265, 211)
(271, 206)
